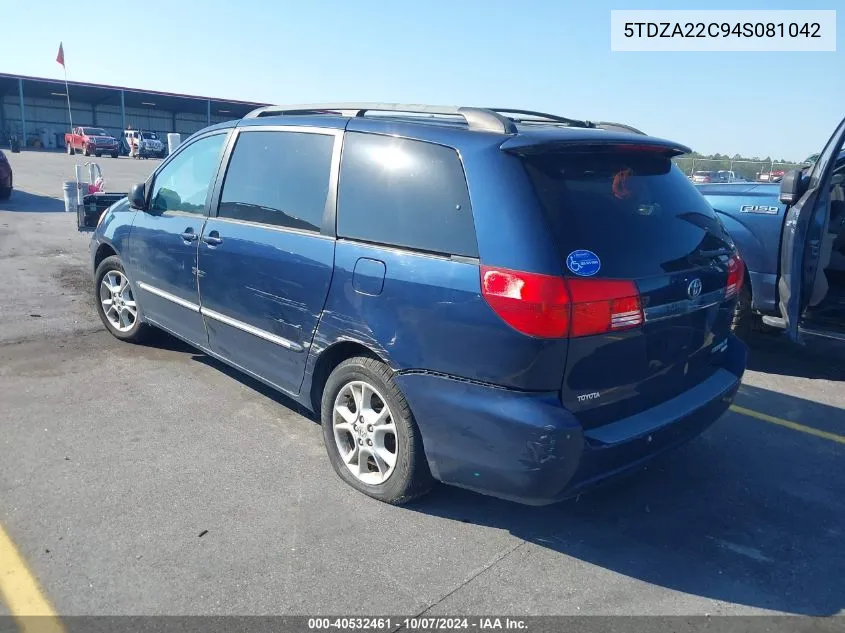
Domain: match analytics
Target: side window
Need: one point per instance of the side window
(279, 178)
(183, 184)
(404, 193)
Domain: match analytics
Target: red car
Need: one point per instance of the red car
(5, 177)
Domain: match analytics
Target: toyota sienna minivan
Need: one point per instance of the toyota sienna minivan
(513, 302)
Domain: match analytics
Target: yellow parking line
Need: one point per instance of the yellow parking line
(833, 437)
(21, 593)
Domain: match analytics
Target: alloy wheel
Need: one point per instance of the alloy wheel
(118, 301)
(364, 432)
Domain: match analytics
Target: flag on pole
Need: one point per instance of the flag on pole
(61, 56)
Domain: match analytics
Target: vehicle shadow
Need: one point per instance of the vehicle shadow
(749, 513)
(255, 385)
(773, 353)
(25, 202)
(163, 341)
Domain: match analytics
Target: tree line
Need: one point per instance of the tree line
(748, 167)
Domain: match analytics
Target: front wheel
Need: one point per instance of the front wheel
(70, 151)
(114, 154)
(371, 437)
(85, 152)
(116, 304)
(98, 154)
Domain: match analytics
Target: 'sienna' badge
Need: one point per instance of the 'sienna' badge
(583, 263)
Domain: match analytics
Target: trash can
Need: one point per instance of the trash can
(173, 141)
(69, 191)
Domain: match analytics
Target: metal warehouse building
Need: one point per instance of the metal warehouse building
(36, 109)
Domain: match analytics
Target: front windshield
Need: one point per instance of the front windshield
(95, 131)
(149, 135)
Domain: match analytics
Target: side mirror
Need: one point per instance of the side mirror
(791, 187)
(138, 196)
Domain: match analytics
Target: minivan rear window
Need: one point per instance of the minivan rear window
(636, 212)
(406, 193)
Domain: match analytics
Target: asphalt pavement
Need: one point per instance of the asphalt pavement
(154, 480)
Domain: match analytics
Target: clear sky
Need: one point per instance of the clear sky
(549, 55)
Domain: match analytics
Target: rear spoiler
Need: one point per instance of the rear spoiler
(525, 144)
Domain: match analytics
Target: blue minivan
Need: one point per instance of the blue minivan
(512, 302)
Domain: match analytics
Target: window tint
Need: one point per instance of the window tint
(640, 215)
(183, 184)
(279, 178)
(404, 193)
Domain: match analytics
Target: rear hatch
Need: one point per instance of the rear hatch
(622, 216)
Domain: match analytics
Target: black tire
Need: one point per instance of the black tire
(70, 151)
(744, 322)
(5, 193)
(98, 154)
(85, 152)
(114, 154)
(411, 477)
(139, 330)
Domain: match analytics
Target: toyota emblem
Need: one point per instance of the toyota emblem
(694, 288)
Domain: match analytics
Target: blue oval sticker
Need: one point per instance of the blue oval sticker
(583, 263)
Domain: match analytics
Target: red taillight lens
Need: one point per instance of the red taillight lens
(551, 307)
(537, 305)
(736, 275)
(603, 305)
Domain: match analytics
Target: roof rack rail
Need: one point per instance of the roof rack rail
(481, 119)
(542, 116)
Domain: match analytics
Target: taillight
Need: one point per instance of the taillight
(603, 305)
(537, 305)
(736, 275)
(551, 307)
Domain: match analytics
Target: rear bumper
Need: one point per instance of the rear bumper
(527, 448)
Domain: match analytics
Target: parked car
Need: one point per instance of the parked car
(521, 310)
(792, 239)
(704, 176)
(724, 175)
(149, 145)
(5, 176)
(771, 176)
(91, 140)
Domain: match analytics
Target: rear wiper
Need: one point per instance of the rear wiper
(715, 252)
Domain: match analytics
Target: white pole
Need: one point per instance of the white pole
(67, 94)
(79, 183)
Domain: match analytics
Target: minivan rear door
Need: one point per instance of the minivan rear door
(266, 253)
(622, 211)
(803, 230)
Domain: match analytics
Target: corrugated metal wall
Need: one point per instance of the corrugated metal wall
(51, 115)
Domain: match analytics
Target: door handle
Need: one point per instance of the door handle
(212, 239)
(189, 235)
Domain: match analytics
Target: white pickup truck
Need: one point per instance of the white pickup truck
(148, 144)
